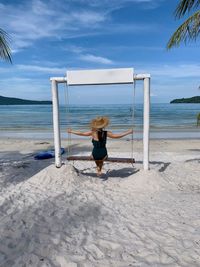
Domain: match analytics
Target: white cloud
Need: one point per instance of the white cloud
(172, 71)
(29, 21)
(39, 19)
(153, 94)
(74, 49)
(96, 59)
(34, 68)
(117, 4)
(135, 48)
(87, 17)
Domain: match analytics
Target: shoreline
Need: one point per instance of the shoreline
(172, 135)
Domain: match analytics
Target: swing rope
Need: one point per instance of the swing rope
(67, 109)
(133, 120)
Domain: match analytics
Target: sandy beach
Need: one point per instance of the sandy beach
(68, 217)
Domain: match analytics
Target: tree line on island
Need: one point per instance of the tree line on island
(17, 101)
(194, 100)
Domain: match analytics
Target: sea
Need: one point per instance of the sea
(172, 121)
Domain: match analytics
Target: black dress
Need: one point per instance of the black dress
(99, 151)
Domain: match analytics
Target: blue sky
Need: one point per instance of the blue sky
(50, 37)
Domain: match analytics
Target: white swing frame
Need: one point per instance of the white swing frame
(101, 77)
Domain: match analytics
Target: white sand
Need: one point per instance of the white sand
(70, 218)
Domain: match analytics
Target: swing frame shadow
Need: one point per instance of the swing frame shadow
(101, 77)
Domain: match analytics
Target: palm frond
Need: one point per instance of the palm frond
(189, 30)
(198, 119)
(5, 51)
(185, 6)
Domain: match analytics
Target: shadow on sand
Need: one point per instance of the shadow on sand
(163, 164)
(192, 160)
(45, 223)
(16, 167)
(119, 173)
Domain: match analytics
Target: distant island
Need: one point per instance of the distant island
(194, 99)
(17, 101)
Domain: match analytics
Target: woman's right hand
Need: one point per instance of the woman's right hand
(130, 131)
(69, 130)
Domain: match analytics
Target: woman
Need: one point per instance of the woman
(99, 137)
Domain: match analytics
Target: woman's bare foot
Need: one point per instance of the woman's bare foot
(99, 173)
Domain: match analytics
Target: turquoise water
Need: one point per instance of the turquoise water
(167, 120)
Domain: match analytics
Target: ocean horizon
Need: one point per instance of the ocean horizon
(166, 120)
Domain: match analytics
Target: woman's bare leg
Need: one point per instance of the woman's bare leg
(99, 166)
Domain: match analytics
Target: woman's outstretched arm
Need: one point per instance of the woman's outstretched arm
(112, 135)
(89, 133)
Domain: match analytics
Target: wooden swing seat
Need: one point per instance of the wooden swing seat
(110, 159)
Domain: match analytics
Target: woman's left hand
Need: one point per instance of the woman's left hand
(130, 131)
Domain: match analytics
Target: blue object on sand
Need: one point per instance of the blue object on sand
(48, 154)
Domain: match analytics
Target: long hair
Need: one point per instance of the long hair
(100, 133)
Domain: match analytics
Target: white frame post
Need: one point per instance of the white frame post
(146, 117)
(56, 119)
(124, 78)
(146, 124)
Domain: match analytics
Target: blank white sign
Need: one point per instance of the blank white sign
(101, 76)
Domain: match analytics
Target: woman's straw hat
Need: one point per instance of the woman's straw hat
(99, 122)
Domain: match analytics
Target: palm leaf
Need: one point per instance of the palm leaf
(185, 6)
(5, 51)
(198, 119)
(189, 30)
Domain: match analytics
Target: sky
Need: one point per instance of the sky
(48, 37)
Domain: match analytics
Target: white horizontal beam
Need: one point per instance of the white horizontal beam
(141, 76)
(100, 76)
(59, 79)
(134, 77)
